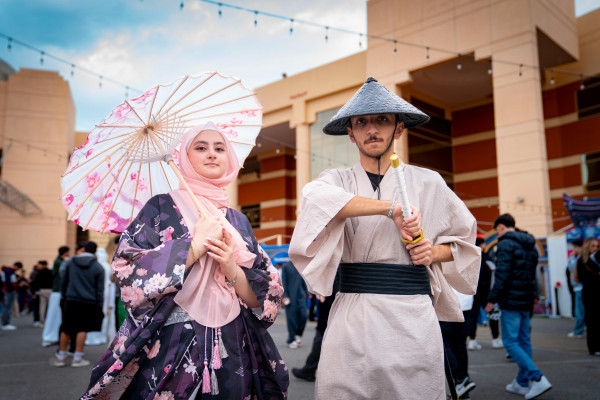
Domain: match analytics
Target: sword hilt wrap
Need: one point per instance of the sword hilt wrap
(404, 203)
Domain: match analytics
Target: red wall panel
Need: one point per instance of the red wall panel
(473, 120)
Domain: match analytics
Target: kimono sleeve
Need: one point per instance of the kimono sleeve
(262, 277)
(318, 240)
(459, 230)
(145, 267)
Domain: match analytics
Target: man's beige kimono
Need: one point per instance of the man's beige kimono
(383, 346)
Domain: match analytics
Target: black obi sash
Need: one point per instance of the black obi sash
(384, 279)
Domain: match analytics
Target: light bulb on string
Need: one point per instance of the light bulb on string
(360, 35)
(181, 5)
(552, 80)
(9, 45)
(100, 82)
(459, 65)
(72, 69)
(326, 34)
(255, 18)
(277, 150)
(220, 11)
(427, 53)
(581, 86)
(42, 57)
(490, 67)
(126, 91)
(520, 69)
(395, 46)
(291, 26)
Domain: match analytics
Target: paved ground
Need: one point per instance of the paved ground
(26, 374)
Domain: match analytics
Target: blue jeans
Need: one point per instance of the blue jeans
(516, 331)
(9, 299)
(579, 314)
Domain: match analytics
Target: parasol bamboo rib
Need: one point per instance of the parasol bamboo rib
(218, 115)
(136, 114)
(204, 98)
(187, 188)
(117, 126)
(149, 174)
(152, 105)
(213, 105)
(137, 179)
(115, 147)
(118, 192)
(117, 136)
(96, 185)
(111, 184)
(84, 175)
(186, 94)
(173, 94)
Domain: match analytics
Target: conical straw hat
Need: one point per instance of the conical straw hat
(374, 98)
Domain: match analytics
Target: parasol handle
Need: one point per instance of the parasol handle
(404, 203)
(188, 189)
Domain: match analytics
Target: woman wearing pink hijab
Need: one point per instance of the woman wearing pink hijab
(200, 294)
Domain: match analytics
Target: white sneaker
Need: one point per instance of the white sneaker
(293, 345)
(298, 340)
(473, 345)
(37, 324)
(497, 343)
(59, 362)
(82, 362)
(538, 388)
(514, 387)
(9, 327)
(574, 335)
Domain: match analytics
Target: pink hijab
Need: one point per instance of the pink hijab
(205, 296)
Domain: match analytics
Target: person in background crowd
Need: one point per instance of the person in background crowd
(82, 288)
(454, 335)
(294, 299)
(108, 330)
(515, 290)
(578, 310)
(480, 300)
(35, 298)
(53, 316)
(9, 280)
(23, 295)
(43, 285)
(588, 273)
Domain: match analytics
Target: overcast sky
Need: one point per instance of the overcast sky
(144, 42)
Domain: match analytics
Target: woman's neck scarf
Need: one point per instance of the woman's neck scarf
(205, 296)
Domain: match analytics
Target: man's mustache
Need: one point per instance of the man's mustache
(373, 138)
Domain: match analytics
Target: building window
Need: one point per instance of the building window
(588, 99)
(252, 212)
(591, 171)
(327, 151)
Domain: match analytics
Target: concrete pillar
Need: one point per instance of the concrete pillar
(302, 161)
(401, 145)
(232, 191)
(523, 183)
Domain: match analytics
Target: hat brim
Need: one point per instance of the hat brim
(340, 126)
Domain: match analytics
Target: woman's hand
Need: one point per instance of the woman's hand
(411, 227)
(211, 227)
(222, 252)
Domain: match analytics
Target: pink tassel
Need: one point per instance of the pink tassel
(216, 360)
(214, 384)
(205, 378)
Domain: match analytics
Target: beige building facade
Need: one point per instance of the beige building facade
(37, 122)
(485, 70)
(506, 135)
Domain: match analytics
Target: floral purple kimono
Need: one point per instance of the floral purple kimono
(159, 352)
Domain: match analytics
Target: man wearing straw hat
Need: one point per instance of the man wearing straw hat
(383, 338)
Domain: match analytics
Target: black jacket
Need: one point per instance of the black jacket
(515, 286)
(83, 280)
